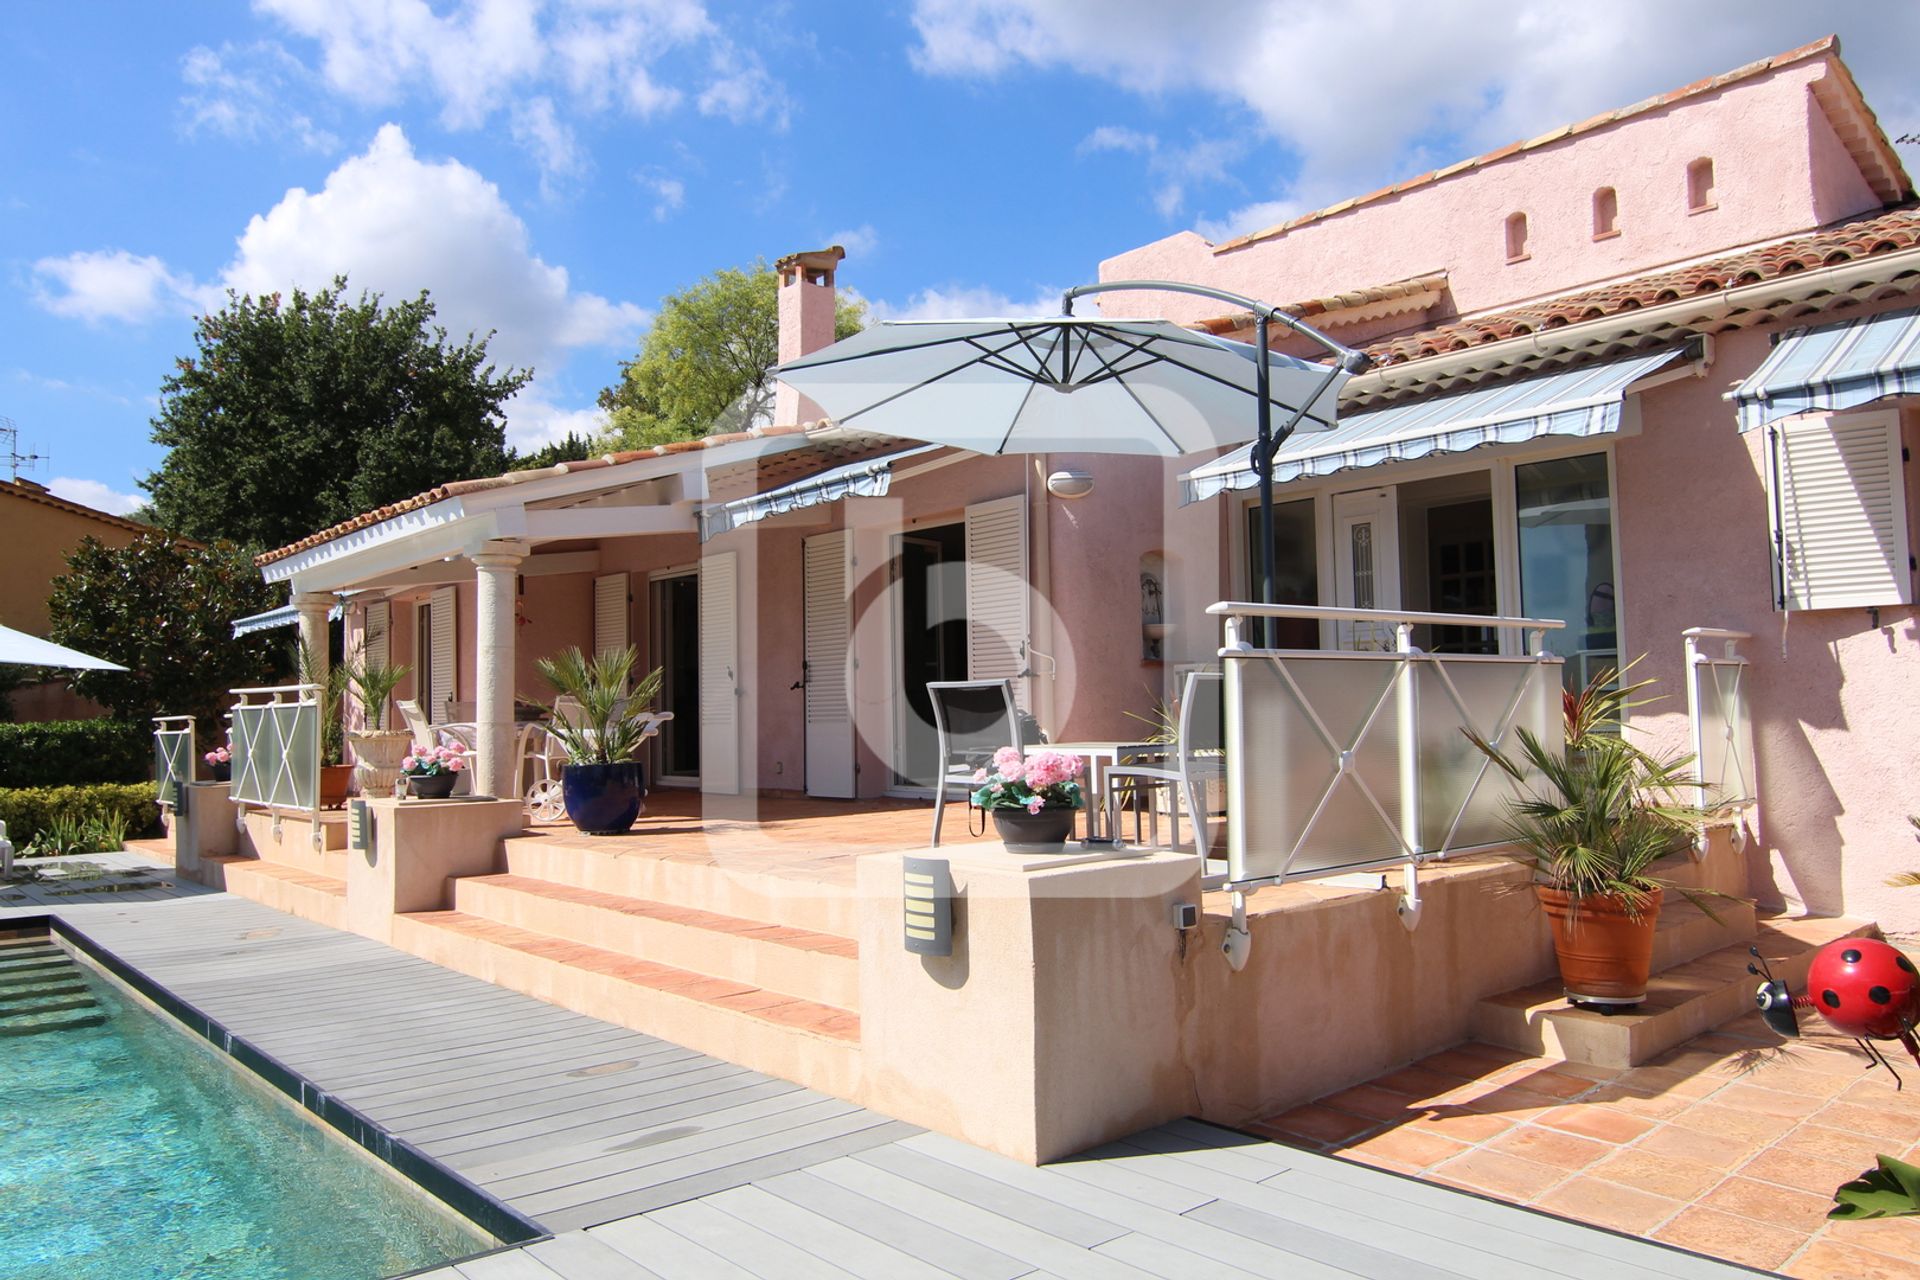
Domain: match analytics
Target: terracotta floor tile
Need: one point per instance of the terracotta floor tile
(1719, 1151)
(1765, 1202)
(1378, 1161)
(1496, 1173)
(1470, 1061)
(1408, 1146)
(1461, 1124)
(1510, 1101)
(1891, 1127)
(1688, 1084)
(1316, 1123)
(1638, 1102)
(1854, 1149)
(1548, 1147)
(1798, 1080)
(1772, 1102)
(1802, 1172)
(1875, 1089)
(1377, 1104)
(1731, 1122)
(1416, 1082)
(1609, 1204)
(1726, 1235)
(1831, 1260)
(1662, 1175)
(1601, 1123)
(1551, 1081)
(1896, 1237)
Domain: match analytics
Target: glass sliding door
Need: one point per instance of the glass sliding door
(675, 618)
(1296, 569)
(1565, 510)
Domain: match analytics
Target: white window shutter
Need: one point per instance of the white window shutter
(610, 613)
(720, 673)
(440, 615)
(379, 627)
(1840, 512)
(998, 608)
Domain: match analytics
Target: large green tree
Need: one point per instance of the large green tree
(706, 365)
(299, 411)
(164, 610)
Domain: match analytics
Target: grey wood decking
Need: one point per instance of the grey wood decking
(651, 1160)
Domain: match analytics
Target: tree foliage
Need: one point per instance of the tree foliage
(165, 611)
(706, 365)
(298, 412)
(574, 448)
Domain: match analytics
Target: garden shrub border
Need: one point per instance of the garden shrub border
(27, 810)
(58, 753)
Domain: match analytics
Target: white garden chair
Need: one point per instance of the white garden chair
(1198, 759)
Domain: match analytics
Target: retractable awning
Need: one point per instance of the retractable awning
(1833, 366)
(1573, 402)
(18, 649)
(285, 616)
(868, 479)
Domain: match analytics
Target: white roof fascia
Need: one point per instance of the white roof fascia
(432, 532)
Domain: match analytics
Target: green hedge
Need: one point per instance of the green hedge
(61, 753)
(26, 810)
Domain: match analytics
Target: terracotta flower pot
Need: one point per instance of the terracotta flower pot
(1605, 954)
(335, 781)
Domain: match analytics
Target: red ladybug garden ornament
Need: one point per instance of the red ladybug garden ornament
(1861, 986)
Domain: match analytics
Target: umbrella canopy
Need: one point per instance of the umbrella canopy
(1059, 385)
(19, 649)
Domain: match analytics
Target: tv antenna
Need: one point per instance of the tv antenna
(10, 455)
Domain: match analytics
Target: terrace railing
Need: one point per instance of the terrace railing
(173, 756)
(1343, 761)
(275, 739)
(1722, 722)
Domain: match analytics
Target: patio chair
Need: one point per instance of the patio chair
(1196, 760)
(972, 719)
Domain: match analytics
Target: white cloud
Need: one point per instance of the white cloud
(859, 242)
(243, 91)
(533, 421)
(111, 284)
(1257, 216)
(1113, 137)
(91, 493)
(967, 302)
(1359, 92)
(64, 387)
(538, 129)
(1175, 168)
(743, 92)
(669, 193)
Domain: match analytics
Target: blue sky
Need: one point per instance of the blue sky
(551, 169)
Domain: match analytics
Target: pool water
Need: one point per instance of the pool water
(131, 1150)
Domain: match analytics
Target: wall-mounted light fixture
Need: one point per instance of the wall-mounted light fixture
(1070, 484)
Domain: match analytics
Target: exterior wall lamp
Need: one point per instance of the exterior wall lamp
(1070, 484)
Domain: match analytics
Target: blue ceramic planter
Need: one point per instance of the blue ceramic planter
(602, 799)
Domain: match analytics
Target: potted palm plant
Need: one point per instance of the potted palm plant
(1593, 821)
(336, 776)
(377, 750)
(601, 725)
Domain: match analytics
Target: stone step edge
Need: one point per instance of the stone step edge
(799, 939)
(775, 1009)
(281, 871)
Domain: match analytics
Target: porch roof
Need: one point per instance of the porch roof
(1833, 366)
(1575, 402)
(866, 479)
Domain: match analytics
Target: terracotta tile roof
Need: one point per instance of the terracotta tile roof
(459, 488)
(1846, 109)
(34, 493)
(1885, 232)
(1350, 300)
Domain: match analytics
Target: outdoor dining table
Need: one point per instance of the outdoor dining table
(1101, 756)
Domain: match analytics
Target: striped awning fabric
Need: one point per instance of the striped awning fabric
(1572, 402)
(285, 616)
(1833, 366)
(868, 479)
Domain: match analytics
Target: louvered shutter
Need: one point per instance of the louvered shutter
(1839, 512)
(440, 640)
(827, 645)
(610, 613)
(379, 627)
(998, 609)
(719, 673)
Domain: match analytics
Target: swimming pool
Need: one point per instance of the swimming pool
(129, 1150)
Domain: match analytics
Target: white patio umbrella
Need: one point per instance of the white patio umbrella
(1071, 385)
(19, 649)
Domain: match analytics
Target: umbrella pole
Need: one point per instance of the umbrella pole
(1263, 468)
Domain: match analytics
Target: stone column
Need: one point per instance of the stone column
(498, 566)
(313, 607)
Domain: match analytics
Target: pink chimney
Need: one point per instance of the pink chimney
(806, 322)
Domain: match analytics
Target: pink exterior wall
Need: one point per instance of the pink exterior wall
(1832, 695)
(1773, 178)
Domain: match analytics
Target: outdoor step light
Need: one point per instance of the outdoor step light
(928, 899)
(1070, 484)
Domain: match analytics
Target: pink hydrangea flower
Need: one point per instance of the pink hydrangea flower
(1005, 757)
(979, 775)
(408, 762)
(1036, 804)
(456, 764)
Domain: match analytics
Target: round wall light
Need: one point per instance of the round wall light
(1070, 484)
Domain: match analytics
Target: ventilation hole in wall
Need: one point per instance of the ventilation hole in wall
(1606, 214)
(1701, 193)
(1516, 237)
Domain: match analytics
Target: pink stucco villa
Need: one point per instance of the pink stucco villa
(1643, 375)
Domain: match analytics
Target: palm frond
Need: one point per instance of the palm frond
(609, 725)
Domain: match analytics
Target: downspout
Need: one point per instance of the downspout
(1039, 519)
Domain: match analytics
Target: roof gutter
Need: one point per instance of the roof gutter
(1842, 278)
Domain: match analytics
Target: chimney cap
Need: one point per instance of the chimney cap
(814, 265)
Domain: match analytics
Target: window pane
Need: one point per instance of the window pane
(1296, 568)
(1566, 559)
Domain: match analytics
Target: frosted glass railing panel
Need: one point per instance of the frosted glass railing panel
(172, 756)
(276, 749)
(1723, 733)
(1464, 798)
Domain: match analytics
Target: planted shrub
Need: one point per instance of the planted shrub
(59, 753)
(31, 811)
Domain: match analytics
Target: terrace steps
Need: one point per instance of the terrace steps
(739, 887)
(307, 894)
(820, 967)
(804, 1040)
(1683, 999)
(41, 990)
(294, 846)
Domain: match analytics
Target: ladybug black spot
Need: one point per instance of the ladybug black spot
(1830, 998)
(1879, 995)
(1851, 955)
(1904, 963)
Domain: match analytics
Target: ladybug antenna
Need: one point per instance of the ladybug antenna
(1763, 969)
